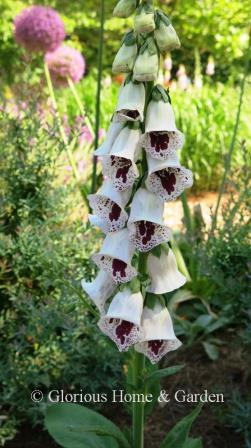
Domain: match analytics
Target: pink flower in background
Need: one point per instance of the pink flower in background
(38, 29)
(65, 62)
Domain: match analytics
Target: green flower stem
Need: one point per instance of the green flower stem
(138, 408)
(100, 67)
(234, 137)
(80, 105)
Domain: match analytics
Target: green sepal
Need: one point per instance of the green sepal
(150, 45)
(148, 9)
(134, 285)
(152, 299)
(129, 78)
(134, 124)
(129, 39)
(160, 94)
(156, 251)
(161, 17)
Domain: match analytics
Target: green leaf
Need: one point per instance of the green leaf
(129, 39)
(75, 426)
(152, 299)
(181, 296)
(162, 373)
(156, 251)
(211, 350)
(194, 443)
(178, 435)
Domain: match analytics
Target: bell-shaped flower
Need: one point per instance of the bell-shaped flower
(112, 133)
(100, 289)
(166, 178)
(147, 63)
(161, 135)
(125, 58)
(131, 102)
(120, 165)
(115, 256)
(163, 272)
(165, 35)
(122, 320)
(97, 221)
(144, 19)
(124, 8)
(108, 204)
(158, 336)
(145, 224)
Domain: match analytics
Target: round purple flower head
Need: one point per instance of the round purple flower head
(39, 29)
(65, 62)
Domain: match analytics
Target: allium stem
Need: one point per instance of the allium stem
(100, 66)
(80, 106)
(138, 408)
(62, 132)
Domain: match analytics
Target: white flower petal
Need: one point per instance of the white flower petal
(131, 101)
(144, 22)
(146, 67)
(127, 144)
(100, 289)
(112, 133)
(98, 221)
(121, 171)
(158, 334)
(124, 59)
(164, 273)
(166, 37)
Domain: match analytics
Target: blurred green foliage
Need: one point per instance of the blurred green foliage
(218, 28)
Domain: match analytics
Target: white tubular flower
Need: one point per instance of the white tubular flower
(158, 334)
(124, 8)
(120, 165)
(112, 133)
(131, 103)
(165, 34)
(122, 320)
(164, 273)
(147, 63)
(100, 289)
(145, 223)
(161, 135)
(125, 58)
(144, 19)
(96, 221)
(115, 256)
(108, 204)
(166, 178)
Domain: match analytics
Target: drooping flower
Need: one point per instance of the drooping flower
(165, 34)
(125, 58)
(164, 274)
(119, 165)
(161, 135)
(115, 256)
(124, 8)
(122, 320)
(167, 178)
(145, 224)
(65, 62)
(99, 222)
(112, 134)
(108, 204)
(147, 63)
(158, 334)
(183, 80)
(210, 69)
(144, 19)
(131, 102)
(39, 29)
(100, 289)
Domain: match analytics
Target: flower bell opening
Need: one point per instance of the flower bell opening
(123, 333)
(170, 182)
(119, 270)
(160, 144)
(156, 349)
(121, 171)
(108, 210)
(145, 235)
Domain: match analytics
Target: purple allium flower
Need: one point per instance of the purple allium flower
(65, 62)
(39, 28)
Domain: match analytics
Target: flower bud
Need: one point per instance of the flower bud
(131, 103)
(144, 19)
(164, 273)
(166, 178)
(120, 165)
(122, 320)
(161, 135)
(125, 58)
(165, 34)
(108, 204)
(124, 8)
(158, 334)
(100, 289)
(147, 63)
(145, 224)
(115, 256)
